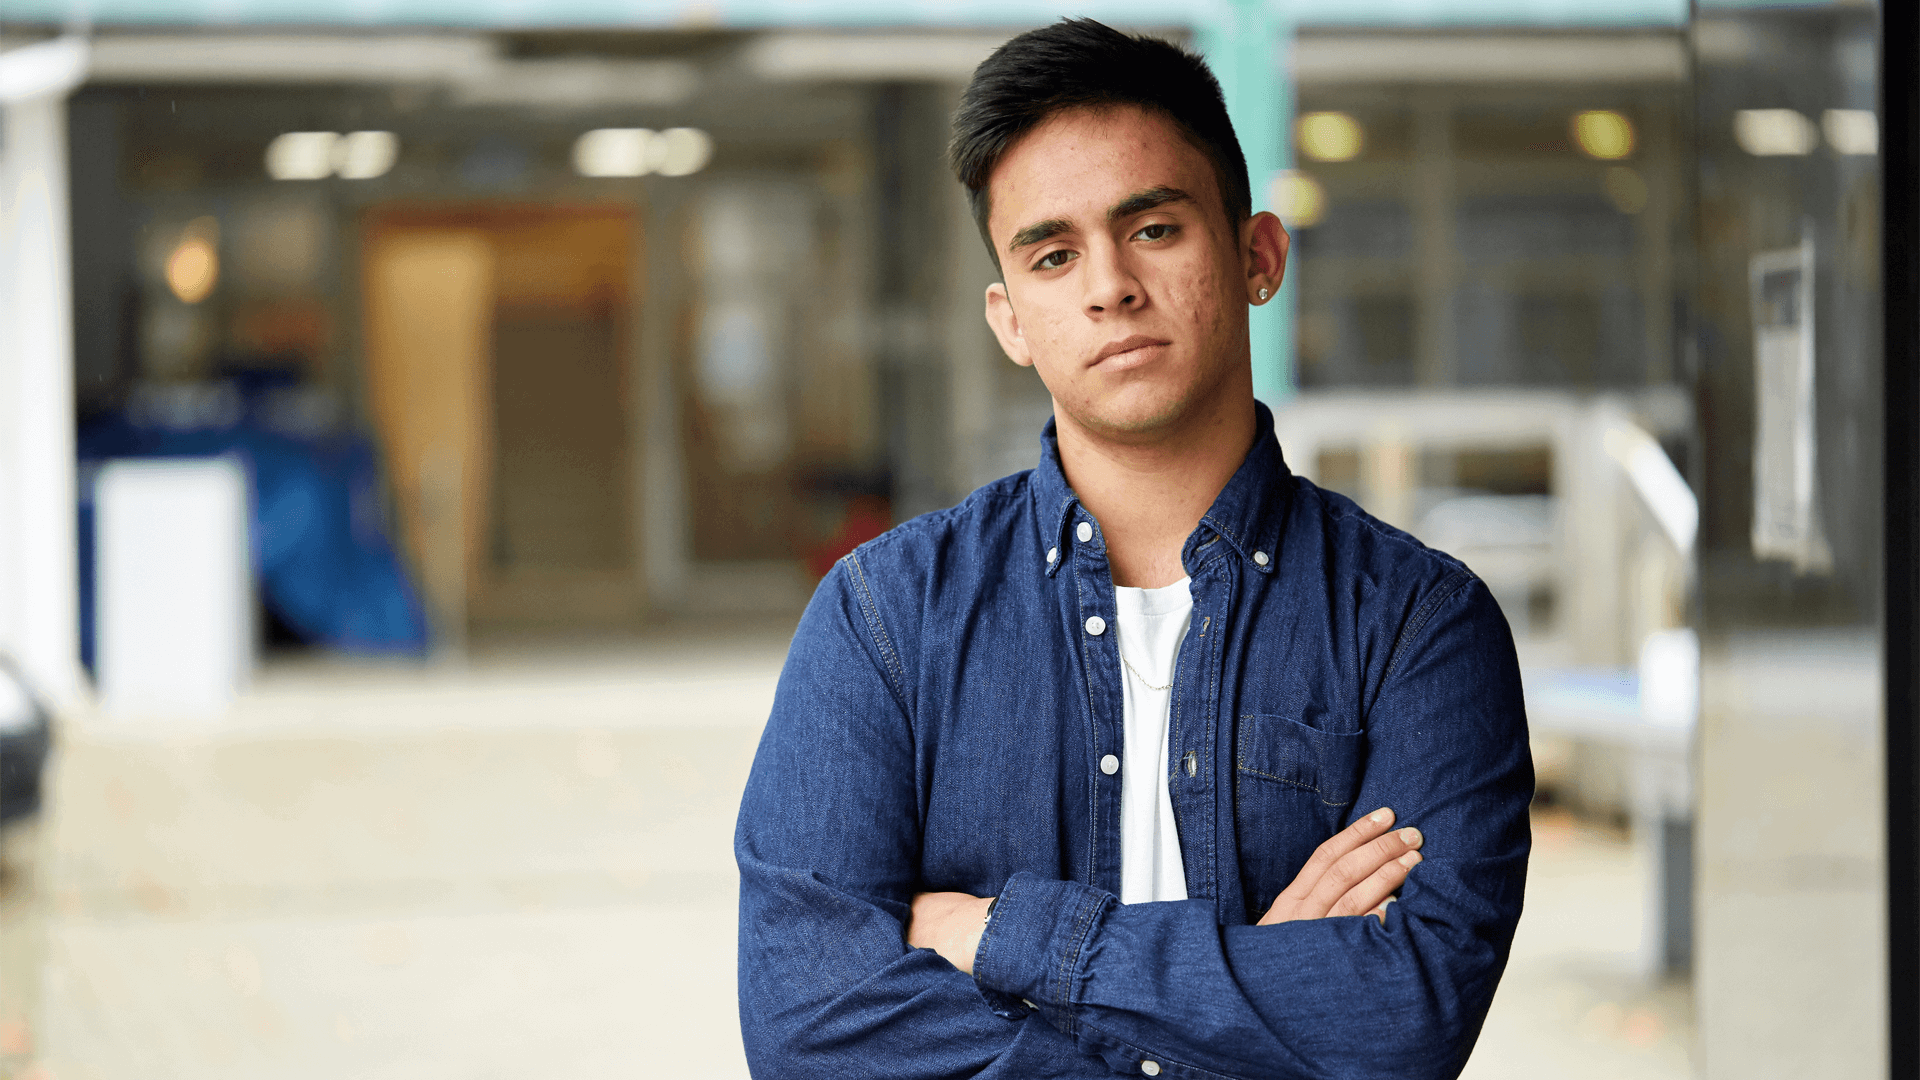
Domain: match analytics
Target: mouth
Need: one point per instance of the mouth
(1127, 350)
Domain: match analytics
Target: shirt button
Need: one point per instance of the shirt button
(1260, 557)
(1096, 625)
(1084, 532)
(1151, 1068)
(1053, 555)
(1109, 764)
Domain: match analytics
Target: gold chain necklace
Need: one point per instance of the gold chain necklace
(1142, 678)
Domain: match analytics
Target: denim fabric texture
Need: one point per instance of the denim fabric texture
(939, 725)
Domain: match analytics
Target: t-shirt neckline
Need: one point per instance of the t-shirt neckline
(1165, 600)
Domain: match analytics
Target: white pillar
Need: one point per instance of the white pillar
(39, 590)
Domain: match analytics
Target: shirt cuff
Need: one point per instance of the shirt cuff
(1033, 945)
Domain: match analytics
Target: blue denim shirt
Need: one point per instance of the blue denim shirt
(940, 724)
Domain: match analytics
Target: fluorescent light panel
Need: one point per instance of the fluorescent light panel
(628, 152)
(1855, 132)
(1774, 132)
(316, 155)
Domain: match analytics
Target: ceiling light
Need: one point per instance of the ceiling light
(1851, 131)
(613, 152)
(193, 266)
(1299, 199)
(301, 155)
(1603, 134)
(680, 151)
(1329, 136)
(1774, 132)
(363, 155)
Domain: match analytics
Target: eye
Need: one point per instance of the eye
(1159, 230)
(1054, 260)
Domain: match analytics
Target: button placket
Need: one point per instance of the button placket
(1094, 585)
(1194, 733)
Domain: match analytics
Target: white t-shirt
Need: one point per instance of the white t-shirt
(1150, 625)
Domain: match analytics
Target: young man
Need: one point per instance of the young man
(1113, 767)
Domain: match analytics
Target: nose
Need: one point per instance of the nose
(1110, 282)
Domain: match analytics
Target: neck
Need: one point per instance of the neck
(1150, 494)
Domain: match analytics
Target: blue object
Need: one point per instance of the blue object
(323, 559)
(938, 727)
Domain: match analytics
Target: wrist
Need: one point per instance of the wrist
(975, 920)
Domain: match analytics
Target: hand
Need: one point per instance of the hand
(1356, 872)
(949, 923)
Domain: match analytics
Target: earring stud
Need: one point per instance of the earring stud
(1263, 294)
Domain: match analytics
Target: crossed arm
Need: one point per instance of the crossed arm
(1357, 870)
(1070, 983)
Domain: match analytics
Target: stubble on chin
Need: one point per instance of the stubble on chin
(1126, 421)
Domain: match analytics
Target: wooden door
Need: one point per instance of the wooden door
(497, 356)
(429, 320)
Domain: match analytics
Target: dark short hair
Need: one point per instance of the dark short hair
(1079, 63)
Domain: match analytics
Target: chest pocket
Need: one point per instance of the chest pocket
(1294, 787)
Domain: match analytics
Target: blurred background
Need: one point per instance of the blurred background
(421, 425)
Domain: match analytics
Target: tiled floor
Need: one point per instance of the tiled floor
(522, 867)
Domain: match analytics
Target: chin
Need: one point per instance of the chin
(1130, 419)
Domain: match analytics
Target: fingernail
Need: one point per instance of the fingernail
(1380, 816)
(1410, 860)
(1411, 837)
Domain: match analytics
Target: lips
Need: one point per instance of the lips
(1126, 345)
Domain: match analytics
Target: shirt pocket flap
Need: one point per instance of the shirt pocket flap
(1286, 751)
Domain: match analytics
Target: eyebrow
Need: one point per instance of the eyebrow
(1037, 232)
(1138, 203)
(1143, 201)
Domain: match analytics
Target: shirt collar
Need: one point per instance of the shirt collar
(1248, 513)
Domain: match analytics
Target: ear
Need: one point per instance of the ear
(1263, 246)
(1006, 325)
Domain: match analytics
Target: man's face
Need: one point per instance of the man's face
(1125, 286)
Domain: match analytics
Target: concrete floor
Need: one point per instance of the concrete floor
(522, 866)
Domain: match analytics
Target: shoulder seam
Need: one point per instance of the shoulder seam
(929, 523)
(1440, 595)
(1384, 532)
(877, 629)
